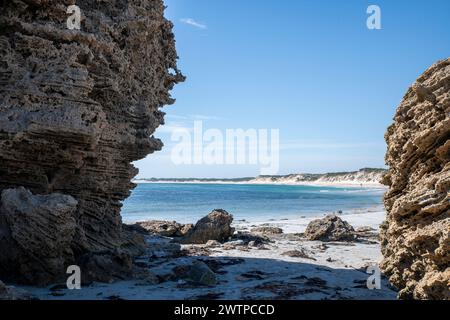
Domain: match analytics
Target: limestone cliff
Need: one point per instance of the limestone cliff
(76, 108)
(416, 235)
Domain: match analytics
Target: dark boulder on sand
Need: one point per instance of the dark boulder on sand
(215, 226)
(330, 228)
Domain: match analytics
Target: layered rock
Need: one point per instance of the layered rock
(36, 233)
(416, 234)
(76, 108)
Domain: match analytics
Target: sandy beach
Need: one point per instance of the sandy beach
(286, 266)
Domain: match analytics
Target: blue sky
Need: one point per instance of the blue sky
(311, 69)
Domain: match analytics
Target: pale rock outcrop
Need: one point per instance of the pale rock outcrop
(165, 228)
(77, 107)
(215, 226)
(416, 234)
(330, 228)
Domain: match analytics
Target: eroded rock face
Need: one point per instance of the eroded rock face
(77, 107)
(36, 233)
(416, 234)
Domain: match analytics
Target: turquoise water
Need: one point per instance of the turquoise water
(187, 203)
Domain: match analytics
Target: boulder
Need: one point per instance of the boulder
(36, 233)
(330, 228)
(215, 226)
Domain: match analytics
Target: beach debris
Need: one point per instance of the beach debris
(215, 226)
(195, 250)
(279, 290)
(258, 244)
(213, 244)
(165, 228)
(330, 228)
(267, 230)
(248, 237)
(254, 275)
(208, 296)
(114, 297)
(196, 273)
(216, 264)
(299, 253)
(235, 244)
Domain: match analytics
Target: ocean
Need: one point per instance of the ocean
(187, 203)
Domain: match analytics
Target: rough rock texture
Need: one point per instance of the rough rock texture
(267, 230)
(197, 273)
(330, 228)
(165, 228)
(215, 226)
(416, 234)
(36, 241)
(76, 108)
(12, 293)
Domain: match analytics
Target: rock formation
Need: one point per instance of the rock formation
(12, 293)
(165, 228)
(267, 230)
(215, 226)
(416, 234)
(76, 108)
(330, 228)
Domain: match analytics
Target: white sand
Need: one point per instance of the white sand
(341, 265)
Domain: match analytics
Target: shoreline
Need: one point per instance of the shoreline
(343, 184)
(364, 217)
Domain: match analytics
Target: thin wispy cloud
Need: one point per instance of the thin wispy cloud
(193, 23)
